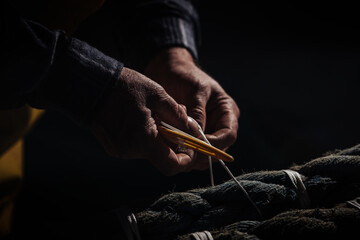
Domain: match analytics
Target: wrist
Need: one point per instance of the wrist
(170, 59)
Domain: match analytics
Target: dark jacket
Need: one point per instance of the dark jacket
(48, 69)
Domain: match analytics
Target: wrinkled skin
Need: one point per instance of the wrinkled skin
(127, 123)
(205, 100)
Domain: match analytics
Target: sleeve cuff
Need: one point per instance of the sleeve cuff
(78, 82)
(169, 32)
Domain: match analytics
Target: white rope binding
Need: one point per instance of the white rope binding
(300, 188)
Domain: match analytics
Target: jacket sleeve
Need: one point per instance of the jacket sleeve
(47, 69)
(158, 24)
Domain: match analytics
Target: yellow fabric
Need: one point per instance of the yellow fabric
(14, 124)
(10, 181)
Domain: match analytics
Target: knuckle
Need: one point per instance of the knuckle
(181, 113)
(232, 136)
(198, 114)
(236, 109)
(203, 89)
(157, 93)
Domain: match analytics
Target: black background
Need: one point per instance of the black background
(293, 69)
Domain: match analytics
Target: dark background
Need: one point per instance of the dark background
(291, 67)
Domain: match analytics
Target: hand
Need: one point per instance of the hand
(126, 127)
(205, 100)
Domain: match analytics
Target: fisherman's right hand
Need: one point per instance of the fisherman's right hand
(125, 125)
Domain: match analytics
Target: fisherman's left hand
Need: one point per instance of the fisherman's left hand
(206, 101)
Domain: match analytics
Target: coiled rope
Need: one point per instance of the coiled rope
(307, 200)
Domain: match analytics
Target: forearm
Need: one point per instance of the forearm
(46, 69)
(77, 83)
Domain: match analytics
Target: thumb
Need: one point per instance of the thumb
(162, 156)
(169, 111)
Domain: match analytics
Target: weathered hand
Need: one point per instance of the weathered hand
(205, 100)
(126, 127)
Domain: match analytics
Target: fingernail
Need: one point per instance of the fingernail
(193, 124)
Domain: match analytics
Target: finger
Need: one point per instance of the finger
(222, 122)
(169, 111)
(198, 113)
(183, 106)
(195, 129)
(166, 160)
(222, 138)
(225, 132)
